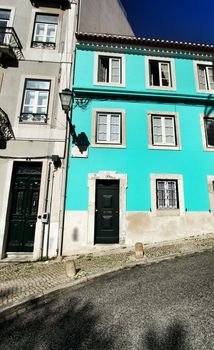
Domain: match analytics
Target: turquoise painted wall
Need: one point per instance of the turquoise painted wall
(136, 159)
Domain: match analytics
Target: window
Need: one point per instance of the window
(205, 75)
(109, 69)
(35, 101)
(45, 28)
(167, 194)
(164, 130)
(160, 73)
(108, 128)
(4, 22)
(209, 131)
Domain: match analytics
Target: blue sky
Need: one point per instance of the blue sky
(183, 20)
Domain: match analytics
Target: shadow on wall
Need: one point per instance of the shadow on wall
(174, 338)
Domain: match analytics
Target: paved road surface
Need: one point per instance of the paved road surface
(164, 306)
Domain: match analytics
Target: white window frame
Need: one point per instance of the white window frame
(164, 145)
(108, 144)
(180, 191)
(46, 25)
(111, 56)
(108, 131)
(166, 195)
(171, 69)
(207, 65)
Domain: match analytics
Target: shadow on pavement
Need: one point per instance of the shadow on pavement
(55, 326)
(174, 338)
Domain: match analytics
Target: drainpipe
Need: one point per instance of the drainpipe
(45, 209)
(50, 210)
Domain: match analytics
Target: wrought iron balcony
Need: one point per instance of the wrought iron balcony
(10, 46)
(33, 118)
(63, 4)
(6, 132)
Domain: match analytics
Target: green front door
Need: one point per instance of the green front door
(24, 206)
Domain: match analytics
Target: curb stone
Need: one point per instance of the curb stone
(32, 301)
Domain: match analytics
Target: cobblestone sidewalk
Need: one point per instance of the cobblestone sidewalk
(21, 280)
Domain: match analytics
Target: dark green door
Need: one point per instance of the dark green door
(107, 211)
(24, 206)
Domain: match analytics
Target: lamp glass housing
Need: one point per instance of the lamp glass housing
(66, 99)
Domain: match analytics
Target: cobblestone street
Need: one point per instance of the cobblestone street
(19, 281)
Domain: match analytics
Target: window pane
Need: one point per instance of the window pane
(102, 127)
(169, 131)
(115, 70)
(5, 14)
(103, 69)
(154, 73)
(38, 84)
(157, 130)
(165, 74)
(210, 71)
(46, 19)
(29, 98)
(202, 78)
(115, 128)
(209, 126)
(43, 99)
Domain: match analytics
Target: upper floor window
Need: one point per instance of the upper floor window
(108, 128)
(167, 194)
(209, 131)
(109, 69)
(4, 22)
(205, 77)
(164, 131)
(35, 101)
(160, 73)
(45, 29)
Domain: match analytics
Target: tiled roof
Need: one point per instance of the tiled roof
(132, 40)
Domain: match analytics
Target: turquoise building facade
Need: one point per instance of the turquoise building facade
(147, 110)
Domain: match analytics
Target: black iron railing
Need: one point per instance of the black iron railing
(9, 38)
(6, 132)
(33, 118)
(43, 45)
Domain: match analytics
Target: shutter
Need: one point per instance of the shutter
(115, 128)
(169, 130)
(165, 74)
(157, 130)
(102, 127)
(202, 78)
(115, 70)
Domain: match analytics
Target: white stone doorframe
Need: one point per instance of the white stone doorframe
(123, 182)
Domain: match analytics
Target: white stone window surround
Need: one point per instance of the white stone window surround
(122, 67)
(177, 131)
(123, 128)
(202, 63)
(50, 11)
(123, 183)
(210, 183)
(206, 147)
(17, 124)
(172, 72)
(167, 212)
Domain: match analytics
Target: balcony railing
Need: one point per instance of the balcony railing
(33, 118)
(10, 46)
(63, 4)
(6, 132)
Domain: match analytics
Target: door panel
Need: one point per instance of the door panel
(107, 211)
(24, 205)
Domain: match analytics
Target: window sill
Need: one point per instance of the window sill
(165, 88)
(107, 145)
(165, 148)
(109, 84)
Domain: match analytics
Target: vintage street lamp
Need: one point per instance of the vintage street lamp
(66, 98)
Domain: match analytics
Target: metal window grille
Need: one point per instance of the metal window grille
(167, 194)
